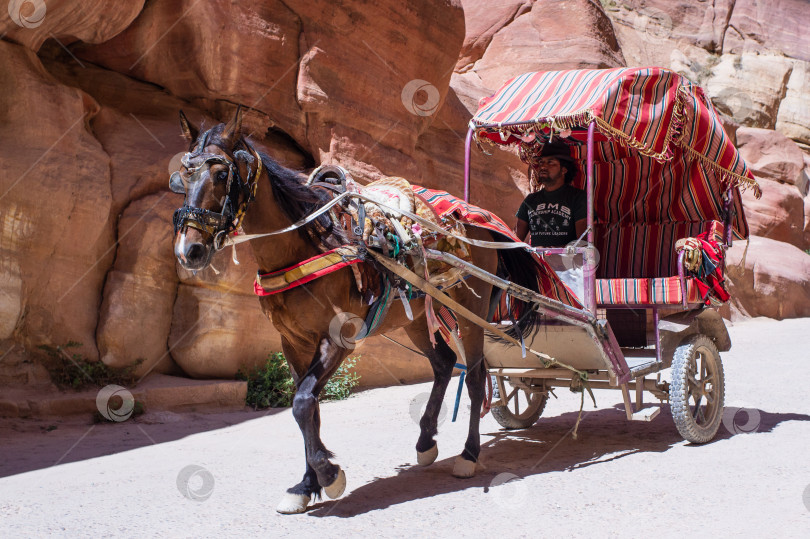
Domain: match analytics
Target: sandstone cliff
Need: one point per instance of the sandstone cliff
(90, 94)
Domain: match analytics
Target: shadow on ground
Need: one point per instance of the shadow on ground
(34, 444)
(604, 435)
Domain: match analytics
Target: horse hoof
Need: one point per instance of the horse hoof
(336, 489)
(463, 468)
(292, 504)
(426, 458)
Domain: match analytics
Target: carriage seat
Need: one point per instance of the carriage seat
(639, 264)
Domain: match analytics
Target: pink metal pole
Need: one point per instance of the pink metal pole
(467, 165)
(590, 281)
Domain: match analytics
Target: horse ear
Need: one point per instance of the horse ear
(190, 133)
(233, 131)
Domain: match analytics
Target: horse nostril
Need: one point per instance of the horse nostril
(195, 252)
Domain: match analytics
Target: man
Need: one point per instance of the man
(555, 214)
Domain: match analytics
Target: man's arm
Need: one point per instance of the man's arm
(521, 229)
(580, 227)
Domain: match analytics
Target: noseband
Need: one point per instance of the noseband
(217, 224)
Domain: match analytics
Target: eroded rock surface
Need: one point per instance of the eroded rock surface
(383, 88)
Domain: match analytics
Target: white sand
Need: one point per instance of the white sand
(618, 479)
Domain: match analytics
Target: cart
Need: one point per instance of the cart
(657, 167)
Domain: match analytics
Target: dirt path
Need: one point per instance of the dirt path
(617, 479)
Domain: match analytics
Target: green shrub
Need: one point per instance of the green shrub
(340, 386)
(272, 386)
(73, 370)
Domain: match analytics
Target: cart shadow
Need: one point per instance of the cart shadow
(604, 436)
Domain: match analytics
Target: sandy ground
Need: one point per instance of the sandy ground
(134, 479)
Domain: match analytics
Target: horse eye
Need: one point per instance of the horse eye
(222, 175)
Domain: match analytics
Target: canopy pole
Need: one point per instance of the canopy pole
(590, 261)
(467, 164)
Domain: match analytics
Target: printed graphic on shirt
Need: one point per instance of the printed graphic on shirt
(551, 216)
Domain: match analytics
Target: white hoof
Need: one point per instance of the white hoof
(292, 504)
(426, 458)
(463, 467)
(336, 489)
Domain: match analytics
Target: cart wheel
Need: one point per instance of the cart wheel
(523, 407)
(698, 389)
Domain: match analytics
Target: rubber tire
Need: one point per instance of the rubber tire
(508, 420)
(688, 427)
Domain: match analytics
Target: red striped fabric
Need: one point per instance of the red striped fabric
(660, 291)
(641, 251)
(662, 155)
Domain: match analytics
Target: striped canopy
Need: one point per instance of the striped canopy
(661, 155)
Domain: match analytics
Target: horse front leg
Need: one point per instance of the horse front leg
(320, 472)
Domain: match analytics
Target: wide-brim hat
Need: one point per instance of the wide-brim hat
(556, 149)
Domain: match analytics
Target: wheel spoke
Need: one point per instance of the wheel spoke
(697, 406)
(517, 404)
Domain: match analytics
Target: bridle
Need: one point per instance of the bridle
(218, 225)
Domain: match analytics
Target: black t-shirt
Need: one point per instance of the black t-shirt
(551, 215)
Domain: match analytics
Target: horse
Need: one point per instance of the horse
(229, 183)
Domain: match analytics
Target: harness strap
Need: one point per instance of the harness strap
(447, 301)
(275, 282)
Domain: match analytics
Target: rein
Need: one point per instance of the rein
(416, 218)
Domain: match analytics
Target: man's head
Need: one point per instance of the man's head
(552, 166)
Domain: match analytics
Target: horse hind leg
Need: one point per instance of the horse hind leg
(442, 359)
(465, 463)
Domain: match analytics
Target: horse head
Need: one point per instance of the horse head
(218, 176)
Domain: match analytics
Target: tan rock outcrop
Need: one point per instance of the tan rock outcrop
(213, 335)
(536, 41)
(793, 118)
(32, 22)
(771, 279)
(482, 20)
(749, 87)
(778, 215)
(373, 115)
(772, 156)
(55, 224)
(664, 23)
(244, 52)
(758, 26)
(139, 294)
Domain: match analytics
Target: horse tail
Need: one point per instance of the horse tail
(520, 267)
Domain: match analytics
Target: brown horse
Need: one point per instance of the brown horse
(226, 180)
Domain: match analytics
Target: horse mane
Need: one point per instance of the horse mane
(297, 200)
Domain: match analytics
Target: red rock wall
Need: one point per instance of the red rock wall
(88, 127)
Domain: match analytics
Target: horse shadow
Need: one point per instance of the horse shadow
(604, 436)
